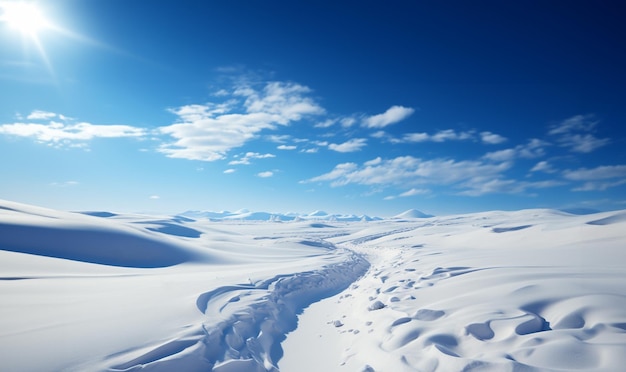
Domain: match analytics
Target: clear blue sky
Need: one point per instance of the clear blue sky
(363, 107)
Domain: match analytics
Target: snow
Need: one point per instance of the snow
(247, 215)
(412, 213)
(536, 290)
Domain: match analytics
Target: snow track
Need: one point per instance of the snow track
(246, 323)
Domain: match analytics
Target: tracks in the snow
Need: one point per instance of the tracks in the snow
(245, 323)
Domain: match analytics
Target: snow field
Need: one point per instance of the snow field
(533, 290)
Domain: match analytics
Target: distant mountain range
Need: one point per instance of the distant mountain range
(246, 215)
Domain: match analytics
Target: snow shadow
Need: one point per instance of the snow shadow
(93, 245)
(507, 229)
(618, 217)
(175, 229)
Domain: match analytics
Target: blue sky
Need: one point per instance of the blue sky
(361, 107)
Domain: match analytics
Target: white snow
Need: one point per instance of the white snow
(535, 290)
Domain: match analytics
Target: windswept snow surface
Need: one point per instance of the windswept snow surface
(533, 290)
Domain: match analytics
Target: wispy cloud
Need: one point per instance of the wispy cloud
(575, 133)
(265, 174)
(408, 170)
(64, 184)
(597, 173)
(441, 136)
(492, 138)
(534, 148)
(543, 166)
(478, 186)
(326, 123)
(599, 178)
(245, 159)
(41, 115)
(64, 132)
(287, 147)
(208, 131)
(445, 135)
(599, 186)
(355, 144)
(229, 171)
(393, 115)
(414, 192)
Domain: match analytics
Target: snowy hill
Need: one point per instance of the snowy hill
(412, 213)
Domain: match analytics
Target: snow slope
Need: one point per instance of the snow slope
(534, 290)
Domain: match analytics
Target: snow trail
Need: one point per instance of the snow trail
(246, 323)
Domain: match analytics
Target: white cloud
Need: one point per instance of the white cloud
(414, 192)
(286, 100)
(352, 145)
(414, 137)
(62, 134)
(478, 187)
(407, 171)
(64, 184)
(310, 151)
(492, 138)
(347, 122)
(467, 177)
(207, 132)
(245, 159)
(599, 186)
(265, 174)
(340, 171)
(229, 171)
(573, 133)
(533, 149)
(326, 123)
(577, 123)
(583, 143)
(221, 93)
(42, 115)
(155, 197)
(543, 166)
(599, 178)
(451, 135)
(393, 115)
(278, 138)
(286, 147)
(501, 155)
(598, 173)
(441, 136)
(373, 162)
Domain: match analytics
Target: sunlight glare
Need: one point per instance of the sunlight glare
(26, 18)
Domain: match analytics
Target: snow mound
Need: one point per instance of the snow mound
(412, 213)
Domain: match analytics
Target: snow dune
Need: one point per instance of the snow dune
(533, 290)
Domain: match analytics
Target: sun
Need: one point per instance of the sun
(26, 18)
